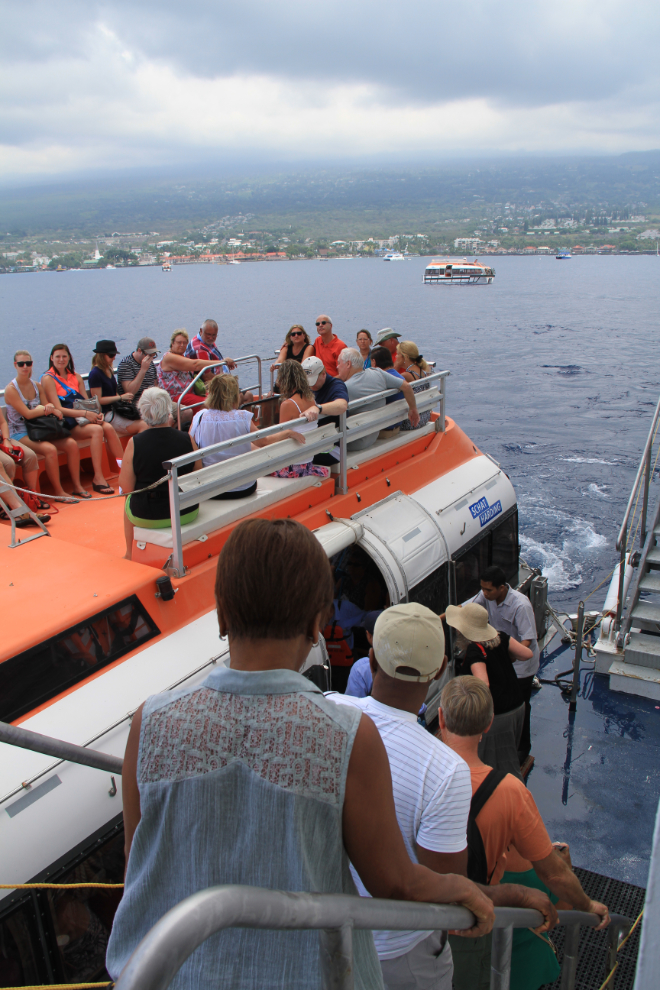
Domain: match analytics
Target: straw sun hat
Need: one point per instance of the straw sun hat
(472, 621)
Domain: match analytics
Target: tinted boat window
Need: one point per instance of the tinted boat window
(22, 955)
(499, 545)
(505, 547)
(432, 591)
(31, 678)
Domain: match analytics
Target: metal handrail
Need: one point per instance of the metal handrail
(161, 953)
(240, 360)
(644, 470)
(14, 735)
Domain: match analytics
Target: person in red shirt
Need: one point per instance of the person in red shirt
(327, 345)
(508, 819)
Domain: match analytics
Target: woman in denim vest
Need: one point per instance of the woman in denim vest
(254, 777)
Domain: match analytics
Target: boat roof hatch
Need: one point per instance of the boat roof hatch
(403, 538)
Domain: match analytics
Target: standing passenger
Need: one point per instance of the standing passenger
(253, 777)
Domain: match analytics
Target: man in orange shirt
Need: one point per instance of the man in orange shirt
(508, 818)
(327, 345)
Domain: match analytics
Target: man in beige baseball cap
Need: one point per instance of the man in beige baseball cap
(431, 785)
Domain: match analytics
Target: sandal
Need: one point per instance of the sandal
(81, 494)
(103, 489)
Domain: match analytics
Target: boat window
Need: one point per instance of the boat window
(433, 590)
(31, 678)
(358, 582)
(499, 545)
(22, 956)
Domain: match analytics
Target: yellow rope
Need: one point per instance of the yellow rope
(61, 986)
(623, 942)
(55, 886)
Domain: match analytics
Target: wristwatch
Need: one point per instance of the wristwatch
(320, 408)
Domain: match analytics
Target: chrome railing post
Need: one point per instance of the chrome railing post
(443, 386)
(336, 958)
(177, 545)
(579, 634)
(343, 456)
(500, 958)
(645, 501)
(569, 965)
(622, 577)
(185, 392)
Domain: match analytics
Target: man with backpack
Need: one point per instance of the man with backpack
(431, 786)
(503, 813)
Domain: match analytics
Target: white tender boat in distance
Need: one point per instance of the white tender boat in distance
(395, 256)
(451, 272)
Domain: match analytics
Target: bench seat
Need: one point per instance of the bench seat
(358, 457)
(214, 515)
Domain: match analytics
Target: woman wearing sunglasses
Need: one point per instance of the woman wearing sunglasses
(296, 347)
(26, 399)
(62, 385)
(103, 386)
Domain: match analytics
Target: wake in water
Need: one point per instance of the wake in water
(556, 542)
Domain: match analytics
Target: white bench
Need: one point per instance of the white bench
(379, 447)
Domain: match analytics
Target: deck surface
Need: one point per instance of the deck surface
(596, 778)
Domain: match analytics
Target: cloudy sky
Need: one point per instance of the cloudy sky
(90, 85)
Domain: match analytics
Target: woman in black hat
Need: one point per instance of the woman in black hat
(103, 384)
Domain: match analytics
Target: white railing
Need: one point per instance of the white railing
(243, 469)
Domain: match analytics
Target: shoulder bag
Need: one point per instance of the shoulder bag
(42, 428)
(126, 409)
(74, 400)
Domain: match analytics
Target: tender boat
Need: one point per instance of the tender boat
(395, 256)
(451, 272)
(167, 267)
(563, 255)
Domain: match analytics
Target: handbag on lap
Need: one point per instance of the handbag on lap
(46, 428)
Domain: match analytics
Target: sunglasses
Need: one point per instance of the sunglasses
(24, 364)
(322, 323)
(298, 333)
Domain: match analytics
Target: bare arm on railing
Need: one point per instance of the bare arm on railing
(556, 873)
(276, 437)
(176, 362)
(374, 842)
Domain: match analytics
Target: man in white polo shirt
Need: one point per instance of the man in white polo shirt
(511, 612)
(431, 784)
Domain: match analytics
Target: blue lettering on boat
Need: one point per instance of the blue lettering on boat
(484, 511)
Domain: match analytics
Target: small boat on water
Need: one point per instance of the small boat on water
(395, 256)
(563, 255)
(450, 272)
(167, 267)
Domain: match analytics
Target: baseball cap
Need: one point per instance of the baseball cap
(313, 366)
(370, 619)
(386, 334)
(147, 345)
(409, 635)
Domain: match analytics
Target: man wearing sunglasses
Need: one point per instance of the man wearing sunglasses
(327, 345)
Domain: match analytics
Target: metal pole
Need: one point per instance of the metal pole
(622, 578)
(443, 385)
(645, 503)
(578, 657)
(343, 456)
(336, 958)
(175, 519)
(26, 739)
(500, 958)
(569, 965)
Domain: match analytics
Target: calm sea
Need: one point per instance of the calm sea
(554, 367)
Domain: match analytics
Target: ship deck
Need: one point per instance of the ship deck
(596, 777)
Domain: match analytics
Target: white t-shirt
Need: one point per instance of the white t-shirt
(211, 426)
(432, 794)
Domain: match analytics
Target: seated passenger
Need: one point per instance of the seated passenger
(203, 346)
(508, 818)
(381, 357)
(411, 364)
(365, 342)
(296, 347)
(175, 372)
(431, 787)
(13, 452)
(222, 790)
(327, 345)
(297, 401)
(103, 386)
(221, 419)
(143, 465)
(490, 656)
(331, 399)
(137, 371)
(361, 382)
(26, 399)
(63, 385)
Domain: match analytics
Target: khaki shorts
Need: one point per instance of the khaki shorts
(30, 460)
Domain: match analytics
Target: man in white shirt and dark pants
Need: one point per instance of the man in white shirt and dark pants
(511, 612)
(431, 785)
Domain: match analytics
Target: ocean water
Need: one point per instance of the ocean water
(554, 367)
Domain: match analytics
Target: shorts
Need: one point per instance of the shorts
(30, 460)
(119, 423)
(186, 517)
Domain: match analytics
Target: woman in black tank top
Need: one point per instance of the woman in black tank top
(296, 347)
(142, 465)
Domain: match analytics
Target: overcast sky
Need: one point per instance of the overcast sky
(90, 85)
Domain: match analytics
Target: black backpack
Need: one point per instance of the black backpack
(477, 868)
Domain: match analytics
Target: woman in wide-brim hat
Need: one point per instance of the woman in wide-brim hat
(103, 384)
(489, 655)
